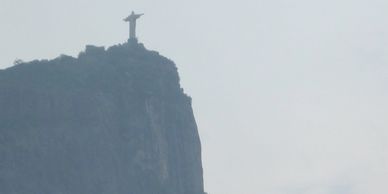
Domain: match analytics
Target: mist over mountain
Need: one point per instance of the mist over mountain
(111, 121)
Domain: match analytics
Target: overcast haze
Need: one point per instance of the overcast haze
(291, 97)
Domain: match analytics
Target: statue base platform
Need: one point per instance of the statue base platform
(133, 41)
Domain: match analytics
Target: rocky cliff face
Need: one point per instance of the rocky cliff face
(112, 121)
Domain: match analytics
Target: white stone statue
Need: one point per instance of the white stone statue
(132, 24)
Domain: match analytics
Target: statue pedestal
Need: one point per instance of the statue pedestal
(133, 41)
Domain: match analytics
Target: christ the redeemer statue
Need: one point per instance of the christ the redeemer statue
(132, 24)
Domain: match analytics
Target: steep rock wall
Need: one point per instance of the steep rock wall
(112, 121)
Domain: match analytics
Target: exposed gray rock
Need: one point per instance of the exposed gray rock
(112, 121)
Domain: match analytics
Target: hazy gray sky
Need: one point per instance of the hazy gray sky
(291, 96)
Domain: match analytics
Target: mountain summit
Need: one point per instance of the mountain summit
(111, 121)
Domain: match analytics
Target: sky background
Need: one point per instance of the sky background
(290, 96)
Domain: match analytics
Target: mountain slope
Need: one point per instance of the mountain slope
(111, 121)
